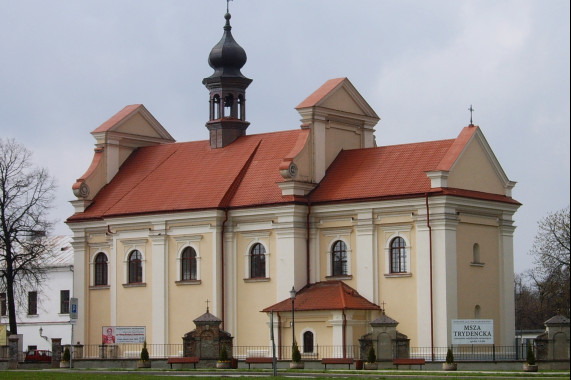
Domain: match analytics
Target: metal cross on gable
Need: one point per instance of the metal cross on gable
(383, 306)
(471, 109)
(207, 305)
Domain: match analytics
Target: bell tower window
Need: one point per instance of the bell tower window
(228, 105)
(241, 108)
(215, 110)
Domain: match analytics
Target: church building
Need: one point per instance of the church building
(421, 231)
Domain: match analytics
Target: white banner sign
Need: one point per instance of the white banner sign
(123, 334)
(472, 331)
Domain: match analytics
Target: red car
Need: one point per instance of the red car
(38, 356)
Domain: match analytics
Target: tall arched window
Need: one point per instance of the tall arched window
(188, 264)
(257, 261)
(135, 267)
(339, 258)
(398, 255)
(100, 269)
(307, 342)
(477, 311)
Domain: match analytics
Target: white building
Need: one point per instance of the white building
(46, 314)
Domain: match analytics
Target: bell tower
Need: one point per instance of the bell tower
(227, 87)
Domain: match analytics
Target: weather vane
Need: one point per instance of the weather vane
(471, 110)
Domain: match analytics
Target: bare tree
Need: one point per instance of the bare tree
(552, 252)
(26, 195)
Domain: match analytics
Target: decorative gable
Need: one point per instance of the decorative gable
(470, 164)
(338, 118)
(131, 128)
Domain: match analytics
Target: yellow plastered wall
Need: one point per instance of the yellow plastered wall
(98, 314)
(339, 138)
(187, 301)
(253, 295)
(138, 125)
(134, 303)
(474, 171)
(399, 292)
(478, 284)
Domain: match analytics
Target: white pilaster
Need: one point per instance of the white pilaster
(216, 275)
(506, 293)
(231, 282)
(337, 331)
(80, 279)
(114, 280)
(159, 279)
(319, 157)
(421, 270)
(112, 158)
(364, 255)
(445, 276)
(291, 258)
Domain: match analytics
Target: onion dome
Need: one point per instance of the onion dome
(227, 57)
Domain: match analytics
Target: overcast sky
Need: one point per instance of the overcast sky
(67, 66)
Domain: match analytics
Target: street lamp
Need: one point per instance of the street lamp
(292, 293)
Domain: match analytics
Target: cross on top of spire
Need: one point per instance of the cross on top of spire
(471, 109)
(228, 6)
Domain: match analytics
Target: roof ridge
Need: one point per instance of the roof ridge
(236, 183)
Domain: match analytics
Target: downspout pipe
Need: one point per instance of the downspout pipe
(344, 334)
(222, 277)
(431, 285)
(279, 336)
(307, 244)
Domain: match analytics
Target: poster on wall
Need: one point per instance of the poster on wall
(122, 334)
(472, 331)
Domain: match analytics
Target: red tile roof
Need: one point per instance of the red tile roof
(327, 295)
(456, 148)
(380, 172)
(192, 176)
(320, 93)
(126, 111)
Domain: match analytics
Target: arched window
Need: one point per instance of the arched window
(339, 258)
(476, 253)
(257, 261)
(135, 267)
(241, 109)
(100, 269)
(188, 264)
(215, 114)
(228, 105)
(307, 342)
(398, 255)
